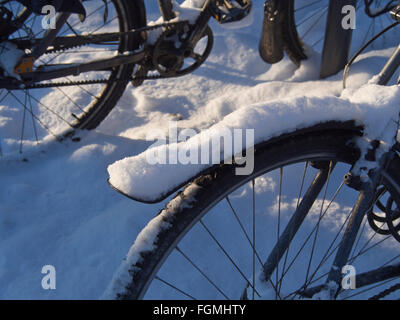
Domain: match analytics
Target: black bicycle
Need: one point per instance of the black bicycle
(58, 80)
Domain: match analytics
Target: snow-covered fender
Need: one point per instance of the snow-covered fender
(158, 197)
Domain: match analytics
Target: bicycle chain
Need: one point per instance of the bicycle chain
(90, 41)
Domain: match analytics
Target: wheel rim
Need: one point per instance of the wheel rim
(33, 116)
(204, 261)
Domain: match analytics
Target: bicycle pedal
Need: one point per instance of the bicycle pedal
(25, 65)
(139, 76)
(227, 11)
(395, 13)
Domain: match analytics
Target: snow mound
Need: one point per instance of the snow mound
(371, 106)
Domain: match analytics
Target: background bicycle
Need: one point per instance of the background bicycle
(51, 109)
(325, 26)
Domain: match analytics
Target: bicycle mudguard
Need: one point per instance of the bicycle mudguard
(349, 125)
(271, 43)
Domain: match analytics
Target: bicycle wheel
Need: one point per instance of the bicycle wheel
(212, 240)
(306, 23)
(31, 116)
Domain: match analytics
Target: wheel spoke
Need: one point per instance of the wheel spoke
(292, 235)
(36, 118)
(314, 24)
(307, 5)
(248, 239)
(175, 288)
(278, 233)
(23, 124)
(243, 229)
(313, 230)
(312, 16)
(294, 224)
(327, 254)
(202, 273)
(33, 120)
(369, 289)
(254, 238)
(228, 256)
(331, 165)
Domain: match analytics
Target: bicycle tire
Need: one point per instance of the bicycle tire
(188, 207)
(133, 17)
(336, 40)
(59, 111)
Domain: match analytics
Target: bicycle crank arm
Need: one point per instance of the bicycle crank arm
(76, 69)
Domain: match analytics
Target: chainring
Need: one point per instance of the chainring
(170, 53)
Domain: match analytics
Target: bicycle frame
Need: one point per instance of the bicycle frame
(390, 68)
(102, 64)
(365, 202)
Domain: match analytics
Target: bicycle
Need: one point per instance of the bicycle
(289, 24)
(66, 80)
(298, 245)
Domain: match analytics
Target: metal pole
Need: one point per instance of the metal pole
(337, 39)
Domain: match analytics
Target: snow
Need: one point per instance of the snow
(10, 56)
(146, 241)
(56, 207)
(371, 105)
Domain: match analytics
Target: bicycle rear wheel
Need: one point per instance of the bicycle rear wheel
(31, 116)
(316, 25)
(214, 238)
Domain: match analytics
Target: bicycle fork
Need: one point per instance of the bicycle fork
(366, 185)
(365, 202)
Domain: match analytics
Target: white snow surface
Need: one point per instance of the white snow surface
(371, 105)
(10, 56)
(56, 207)
(146, 242)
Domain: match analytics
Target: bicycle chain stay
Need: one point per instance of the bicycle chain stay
(87, 40)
